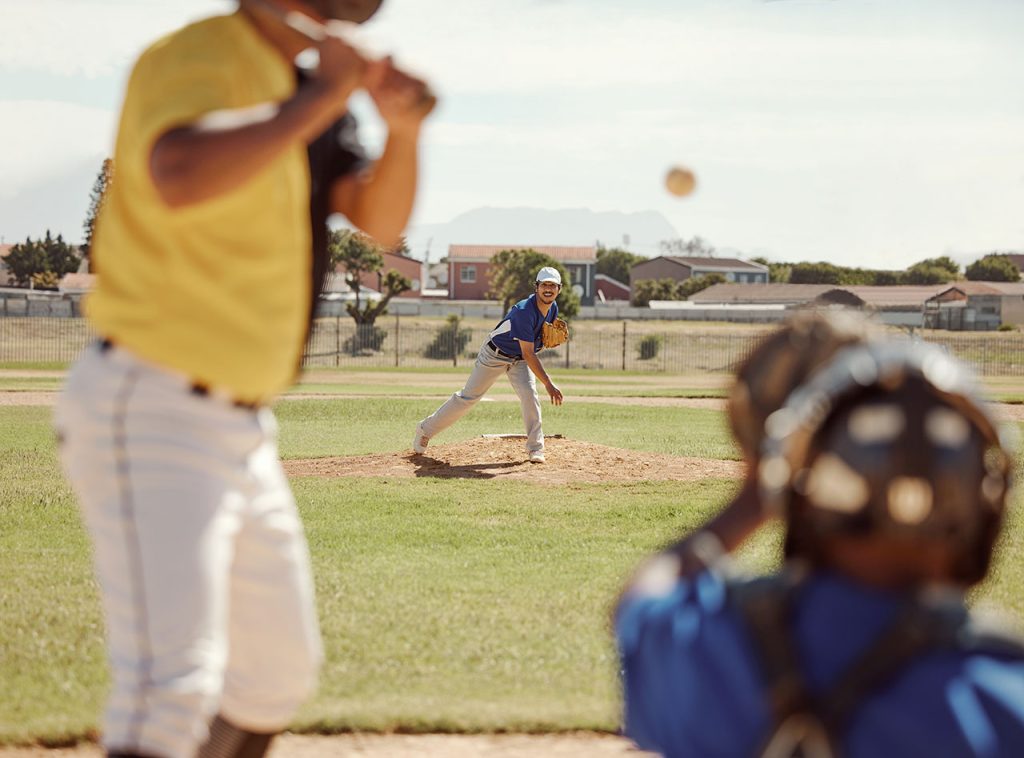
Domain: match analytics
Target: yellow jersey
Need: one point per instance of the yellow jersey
(218, 290)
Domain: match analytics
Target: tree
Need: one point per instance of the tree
(359, 254)
(777, 272)
(695, 246)
(994, 267)
(646, 290)
(921, 273)
(815, 273)
(688, 287)
(616, 262)
(42, 261)
(450, 339)
(943, 262)
(513, 277)
(96, 198)
(25, 260)
(886, 278)
(401, 248)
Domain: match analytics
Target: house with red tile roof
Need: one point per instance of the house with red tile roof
(469, 269)
(410, 268)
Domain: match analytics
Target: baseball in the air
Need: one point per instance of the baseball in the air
(680, 181)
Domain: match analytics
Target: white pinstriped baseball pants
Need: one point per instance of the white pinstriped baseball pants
(199, 551)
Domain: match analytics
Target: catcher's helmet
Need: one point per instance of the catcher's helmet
(780, 362)
(889, 438)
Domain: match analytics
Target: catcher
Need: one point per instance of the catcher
(511, 349)
(892, 482)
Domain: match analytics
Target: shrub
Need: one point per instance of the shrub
(650, 345)
(367, 339)
(1007, 328)
(449, 340)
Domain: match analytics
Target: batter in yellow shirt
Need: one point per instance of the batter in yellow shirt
(218, 290)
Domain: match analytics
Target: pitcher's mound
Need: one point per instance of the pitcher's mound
(505, 458)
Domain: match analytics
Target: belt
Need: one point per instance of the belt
(502, 353)
(197, 388)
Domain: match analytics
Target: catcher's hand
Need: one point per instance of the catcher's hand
(555, 333)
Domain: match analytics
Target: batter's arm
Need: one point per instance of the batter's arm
(533, 361)
(380, 201)
(224, 149)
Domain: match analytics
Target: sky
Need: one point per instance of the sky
(869, 133)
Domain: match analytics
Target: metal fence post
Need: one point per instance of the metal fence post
(624, 345)
(337, 340)
(398, 334)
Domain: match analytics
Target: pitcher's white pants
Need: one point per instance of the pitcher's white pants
(199, 551)
(488, 367)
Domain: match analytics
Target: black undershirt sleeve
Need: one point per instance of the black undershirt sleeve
(334, 154)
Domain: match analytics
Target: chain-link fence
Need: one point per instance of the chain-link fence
(392, 342)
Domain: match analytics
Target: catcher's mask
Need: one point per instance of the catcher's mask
(780, 362)
(889, 438)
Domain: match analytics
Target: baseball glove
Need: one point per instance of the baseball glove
(555, 333)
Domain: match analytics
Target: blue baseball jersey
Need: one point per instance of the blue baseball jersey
(692, 681)
(523, 321)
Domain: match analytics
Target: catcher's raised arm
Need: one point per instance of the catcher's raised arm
(555, 333)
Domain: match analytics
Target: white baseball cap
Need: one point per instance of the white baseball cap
(548, 274)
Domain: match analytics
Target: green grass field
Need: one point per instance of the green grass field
(446, 605)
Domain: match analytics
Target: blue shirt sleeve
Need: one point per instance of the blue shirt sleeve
(689, 683)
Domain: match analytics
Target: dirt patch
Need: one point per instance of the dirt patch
(41, 397)
(567, 461)
(575, 745)
(455, 746)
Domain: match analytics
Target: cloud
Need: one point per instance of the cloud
(89, 37)
(839, 130)
(40, 137)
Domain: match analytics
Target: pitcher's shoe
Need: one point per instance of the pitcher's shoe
(420, 440)
(537, 456)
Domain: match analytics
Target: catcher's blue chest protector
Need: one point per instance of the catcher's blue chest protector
(812, 725)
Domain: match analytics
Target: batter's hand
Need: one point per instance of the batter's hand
(402, 100)
(555, 393)
(341, 67)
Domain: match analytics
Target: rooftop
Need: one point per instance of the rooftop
(485, 252)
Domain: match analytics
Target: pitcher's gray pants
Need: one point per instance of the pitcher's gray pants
(489, 366)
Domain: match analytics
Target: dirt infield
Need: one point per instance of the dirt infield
(504, 458)
(575, 745)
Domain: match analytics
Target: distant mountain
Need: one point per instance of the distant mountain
(637, 232)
